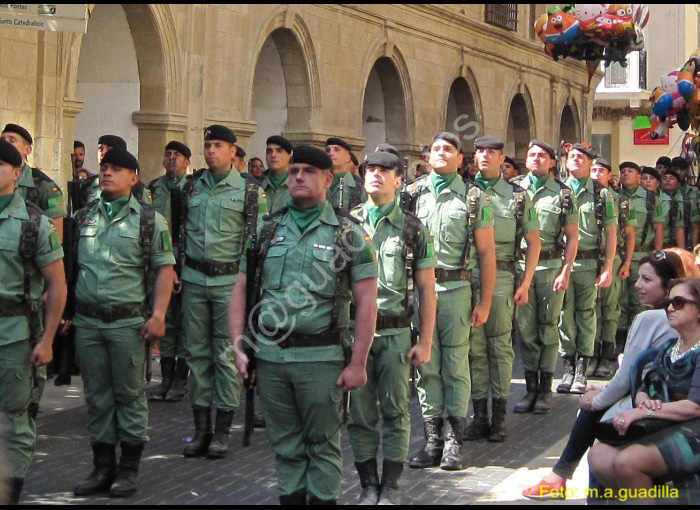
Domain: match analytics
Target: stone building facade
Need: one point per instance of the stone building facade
(368, 73)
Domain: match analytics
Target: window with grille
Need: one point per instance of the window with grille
(615, 75)
(503, 15)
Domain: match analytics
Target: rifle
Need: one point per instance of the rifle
(406, 201)
(414, 370)
(341, 192)
(347, 354)
(561, 165)
(251, 298)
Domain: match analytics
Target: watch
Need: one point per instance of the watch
(651, 413)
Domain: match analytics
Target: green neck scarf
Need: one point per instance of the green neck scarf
(538, 181)
(5, 201)
(276, 180)
(630, 192)
(377, 212)
(214, 179)
(578, 184)
(115, 206)
(440, 182)
(303, 217)
(485, 183)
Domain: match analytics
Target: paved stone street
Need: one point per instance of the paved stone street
(496, 473)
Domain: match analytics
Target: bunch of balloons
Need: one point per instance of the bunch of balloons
(593, 33)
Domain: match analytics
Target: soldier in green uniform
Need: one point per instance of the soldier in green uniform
(662, 164)
(593, 268)
(166, 193)
(651, 179)
(649, 236)
(608, 309)
(30, 256)
(312, 257)
(35, 186)
(120, 244)
(538, 318)
(278, 154)
(672, 203)
(239, 159)
(491, 355)
(461, 219)
(347, 190)
(405, 252)
(222, 206)
(690, 203)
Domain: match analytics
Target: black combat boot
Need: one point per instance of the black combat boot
(579, 385)
(313, 500)
(219, 443)
(202, 435)
(431, 453)
(178, 391)
(569, 372)
(498, 420)
(369, 481)
(594, 361)
(620, 341)
(167, 370)
(543, 404)
(16, 485)
(296, 499)
(479, 427)
(527, 404)
(126, 483)
(452, 454)
(102, 477)
(391, 473)
(606, 367)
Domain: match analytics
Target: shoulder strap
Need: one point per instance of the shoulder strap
(250, 210)
(355, 194)
(673, 213)
(411, 236)
(473, 197)
(651, 211)
(28, 246)
(519, 195)
(84, 192)
(344, 242)
(147, 229)
(599, 200)
(566, 204)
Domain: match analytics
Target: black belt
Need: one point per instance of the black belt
(550, 254)
(587, 255)
(453, 275)
(13, 309)
(392, 322)
(213, 268)
(505, 266)
(126, 311)
(288, 340)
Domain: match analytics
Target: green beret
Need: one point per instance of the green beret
(339, 141)
(112, 141)
(282, 142)
(121, 158)
(312, 156)
(179, 147)
(218, 132)
(383, 159)
(488, 142)
(9, 154)
(450, 138)
(543, 145)
(17, 129)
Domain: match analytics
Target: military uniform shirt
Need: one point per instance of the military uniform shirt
(160, 196)
(631, 221)
(299, 284)
(110, 260)
(666, 201)
(588, 225)
(638, 204)
(15, 329)
(215, 225)
(49, 196)
(389, 243)
(691, 191)
(276, 197)
(446, 217)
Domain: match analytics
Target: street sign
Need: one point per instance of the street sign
(46, 17)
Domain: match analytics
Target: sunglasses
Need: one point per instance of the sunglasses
(660, 255)
(678, 302)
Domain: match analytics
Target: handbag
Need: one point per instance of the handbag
(606, 432)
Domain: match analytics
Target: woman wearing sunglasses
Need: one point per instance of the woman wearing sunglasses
(671, 451)
(649, 329)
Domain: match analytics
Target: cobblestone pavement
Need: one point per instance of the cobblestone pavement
(496, 473)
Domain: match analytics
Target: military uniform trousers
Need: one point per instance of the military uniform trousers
(112, 363)
(18, 431)
(630, 306)
(444, 383)
(577, 323)
(538, 323)
(608, 308)
(388, 375)
(213, 380)
(172, 345)
(491, 353)
(302, 407)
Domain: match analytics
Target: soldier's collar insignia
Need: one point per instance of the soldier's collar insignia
(278, 239)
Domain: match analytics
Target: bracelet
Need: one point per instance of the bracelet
(651, 413)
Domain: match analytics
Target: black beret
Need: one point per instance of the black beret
(9, 154)
(121, 158)
(582, 148)
(354, 160)
(383, 159)
(651, 171)
(218, 132)
(312, 156)
(78, 143)
(511, 162)
(112, 141)
(543, 145)
(679, 162)
(672, 171)
(15, 128)
(488, 142)
(426, 150)
(282, 142)
(630, 164)
(664, 160)
(240, 152)
(179, 147)
(448, 137)
(339, 141)
(604, 163)
(385, 147)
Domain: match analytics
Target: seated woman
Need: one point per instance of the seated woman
(649, 329)
(671, 451)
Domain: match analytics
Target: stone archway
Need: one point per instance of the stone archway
(461, 116)
(519, 129)
(569, 128)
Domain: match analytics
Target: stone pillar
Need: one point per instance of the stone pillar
(156, 129)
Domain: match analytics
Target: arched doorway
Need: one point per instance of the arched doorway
(518, 136)
(384, 116)
(281, 92)
(568, 126)
(461, 117)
